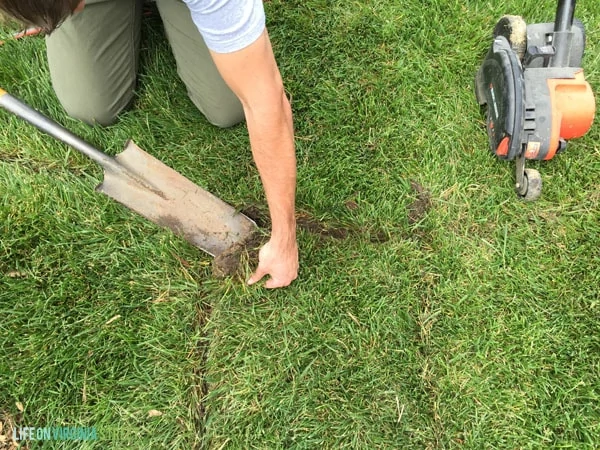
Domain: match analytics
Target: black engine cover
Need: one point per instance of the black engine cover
(499, 84)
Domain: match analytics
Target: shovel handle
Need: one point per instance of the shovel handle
(50, 127)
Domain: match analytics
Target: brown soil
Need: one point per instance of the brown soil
(233, 261)
(304, 221)
(418, 209)
(230, 262)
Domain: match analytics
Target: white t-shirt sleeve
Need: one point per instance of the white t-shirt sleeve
(228, 25)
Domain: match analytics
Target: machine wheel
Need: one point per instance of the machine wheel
(532, 188)
(514, 29)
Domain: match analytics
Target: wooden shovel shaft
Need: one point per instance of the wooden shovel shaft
(57, 131)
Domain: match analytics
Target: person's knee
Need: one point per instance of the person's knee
(92, 118)
(225, 119)
(222, 109)
(94, 112)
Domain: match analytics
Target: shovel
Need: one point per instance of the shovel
(152, 189)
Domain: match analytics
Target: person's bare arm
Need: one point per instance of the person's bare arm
(253, 75)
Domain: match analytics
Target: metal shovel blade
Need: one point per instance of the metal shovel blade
(152, 189)
(169, 199)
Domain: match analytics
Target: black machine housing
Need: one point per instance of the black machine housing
(515, 90)
(513, 84)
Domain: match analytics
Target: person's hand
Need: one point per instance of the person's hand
(278, 261)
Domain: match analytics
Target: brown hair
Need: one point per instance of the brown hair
(47, 14)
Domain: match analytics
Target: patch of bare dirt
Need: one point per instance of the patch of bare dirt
(232, 261)
(419, 208)
(304, 221)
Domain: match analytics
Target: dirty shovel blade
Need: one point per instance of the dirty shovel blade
(152, 189)
(167, 198)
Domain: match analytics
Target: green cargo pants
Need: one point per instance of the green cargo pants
(93, 59)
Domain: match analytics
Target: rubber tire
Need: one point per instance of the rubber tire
(533, 189)
(514, 29)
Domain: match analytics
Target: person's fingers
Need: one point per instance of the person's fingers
(272, 283)
(256, 276)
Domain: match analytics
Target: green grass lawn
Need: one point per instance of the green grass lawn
(433, 310)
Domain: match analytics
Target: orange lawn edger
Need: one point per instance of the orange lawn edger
(535, 91)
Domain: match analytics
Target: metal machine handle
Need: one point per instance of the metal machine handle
(564, 15)
(563, 36)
